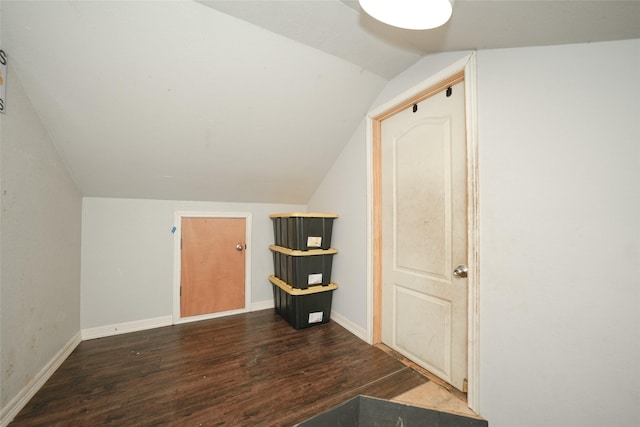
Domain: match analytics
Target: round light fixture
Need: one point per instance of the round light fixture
(410, 14)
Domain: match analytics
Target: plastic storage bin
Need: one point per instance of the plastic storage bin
(302, 307)
(279, 230)
(303, 231)
(301, 269)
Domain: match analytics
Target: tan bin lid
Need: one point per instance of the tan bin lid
(295, 291)
(303, 215)
(310, 252)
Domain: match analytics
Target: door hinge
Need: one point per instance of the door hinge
(465, 386)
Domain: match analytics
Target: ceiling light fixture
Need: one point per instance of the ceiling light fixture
(410, 14)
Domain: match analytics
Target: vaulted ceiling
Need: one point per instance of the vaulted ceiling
(240, 100)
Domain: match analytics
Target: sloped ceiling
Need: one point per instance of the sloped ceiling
(342, 29)
(239, 100)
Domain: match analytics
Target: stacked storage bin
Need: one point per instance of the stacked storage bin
(302, 260)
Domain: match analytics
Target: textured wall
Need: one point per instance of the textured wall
(40, 244)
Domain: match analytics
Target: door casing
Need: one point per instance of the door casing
(464, 69)
(177, 264)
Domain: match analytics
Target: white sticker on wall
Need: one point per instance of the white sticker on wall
(315, 279)
(315, 317)
(314, 242)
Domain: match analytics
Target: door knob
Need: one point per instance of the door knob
(239, 247)
(461, 271)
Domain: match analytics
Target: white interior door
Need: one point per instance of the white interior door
(424, 234)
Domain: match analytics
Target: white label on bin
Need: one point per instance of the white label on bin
(315, 279)
(314, 242)
(315, 317)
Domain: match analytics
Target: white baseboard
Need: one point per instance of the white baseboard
(123, 328)
(15, 405)
(158, 322)
(349, 326)
(262, 305)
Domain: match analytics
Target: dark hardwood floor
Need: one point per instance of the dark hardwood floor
(246, 370)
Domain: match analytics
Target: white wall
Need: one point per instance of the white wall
(40, 245)
(415, 75)
(127, 256)
(559, 141)
(344, 192)
(560, 234)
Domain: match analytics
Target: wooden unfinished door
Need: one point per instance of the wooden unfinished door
(212, 268)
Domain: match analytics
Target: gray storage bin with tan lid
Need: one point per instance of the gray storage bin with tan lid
(302, 269)
(303, 231)
(302, 307)
(302, 261)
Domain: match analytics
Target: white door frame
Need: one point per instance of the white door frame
(467, 66)
(177, 264)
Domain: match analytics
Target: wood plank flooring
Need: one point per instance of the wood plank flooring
(246, 370)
